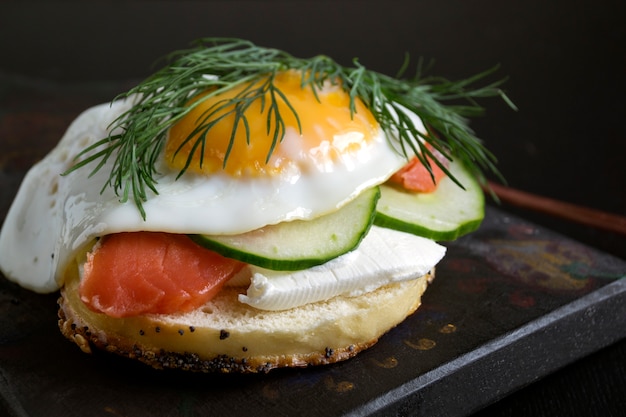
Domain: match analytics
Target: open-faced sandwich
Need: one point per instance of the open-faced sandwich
(243, 209)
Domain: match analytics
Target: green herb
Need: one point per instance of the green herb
(214, 65)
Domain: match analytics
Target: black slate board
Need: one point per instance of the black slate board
(510, 304)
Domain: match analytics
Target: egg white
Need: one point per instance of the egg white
(54, 216)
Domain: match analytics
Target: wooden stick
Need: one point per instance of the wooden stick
(583, 215)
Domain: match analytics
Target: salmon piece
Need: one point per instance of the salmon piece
(136, 273)
(414, 176)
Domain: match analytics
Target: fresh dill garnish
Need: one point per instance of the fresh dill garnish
(215, 65)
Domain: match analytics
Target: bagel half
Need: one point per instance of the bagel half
(227, 336)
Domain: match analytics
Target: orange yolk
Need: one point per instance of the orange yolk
(327, 130)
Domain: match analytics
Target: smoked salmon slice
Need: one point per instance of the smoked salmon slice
(134, 273)
(414, 176)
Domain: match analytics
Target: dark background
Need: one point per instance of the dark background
(565, 61)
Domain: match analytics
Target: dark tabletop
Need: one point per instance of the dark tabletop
(564, 59)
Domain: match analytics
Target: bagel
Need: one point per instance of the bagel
(227, 336)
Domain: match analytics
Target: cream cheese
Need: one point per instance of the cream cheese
(384, 256)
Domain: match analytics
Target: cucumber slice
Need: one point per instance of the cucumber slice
(300, 244)
(445, 214)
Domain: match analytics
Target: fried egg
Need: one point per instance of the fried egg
(328, 155)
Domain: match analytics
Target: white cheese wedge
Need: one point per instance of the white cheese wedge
(384, 256)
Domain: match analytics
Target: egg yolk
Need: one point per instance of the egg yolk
(327, 130)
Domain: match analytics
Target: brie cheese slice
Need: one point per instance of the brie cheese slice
(384, 256)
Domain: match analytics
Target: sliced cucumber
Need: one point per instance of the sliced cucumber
(445, 214)
(300, 244)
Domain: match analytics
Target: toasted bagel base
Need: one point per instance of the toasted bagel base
(227, 336)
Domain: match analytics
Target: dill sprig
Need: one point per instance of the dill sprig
(214, 65)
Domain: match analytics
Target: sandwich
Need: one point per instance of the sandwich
(243, 210)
